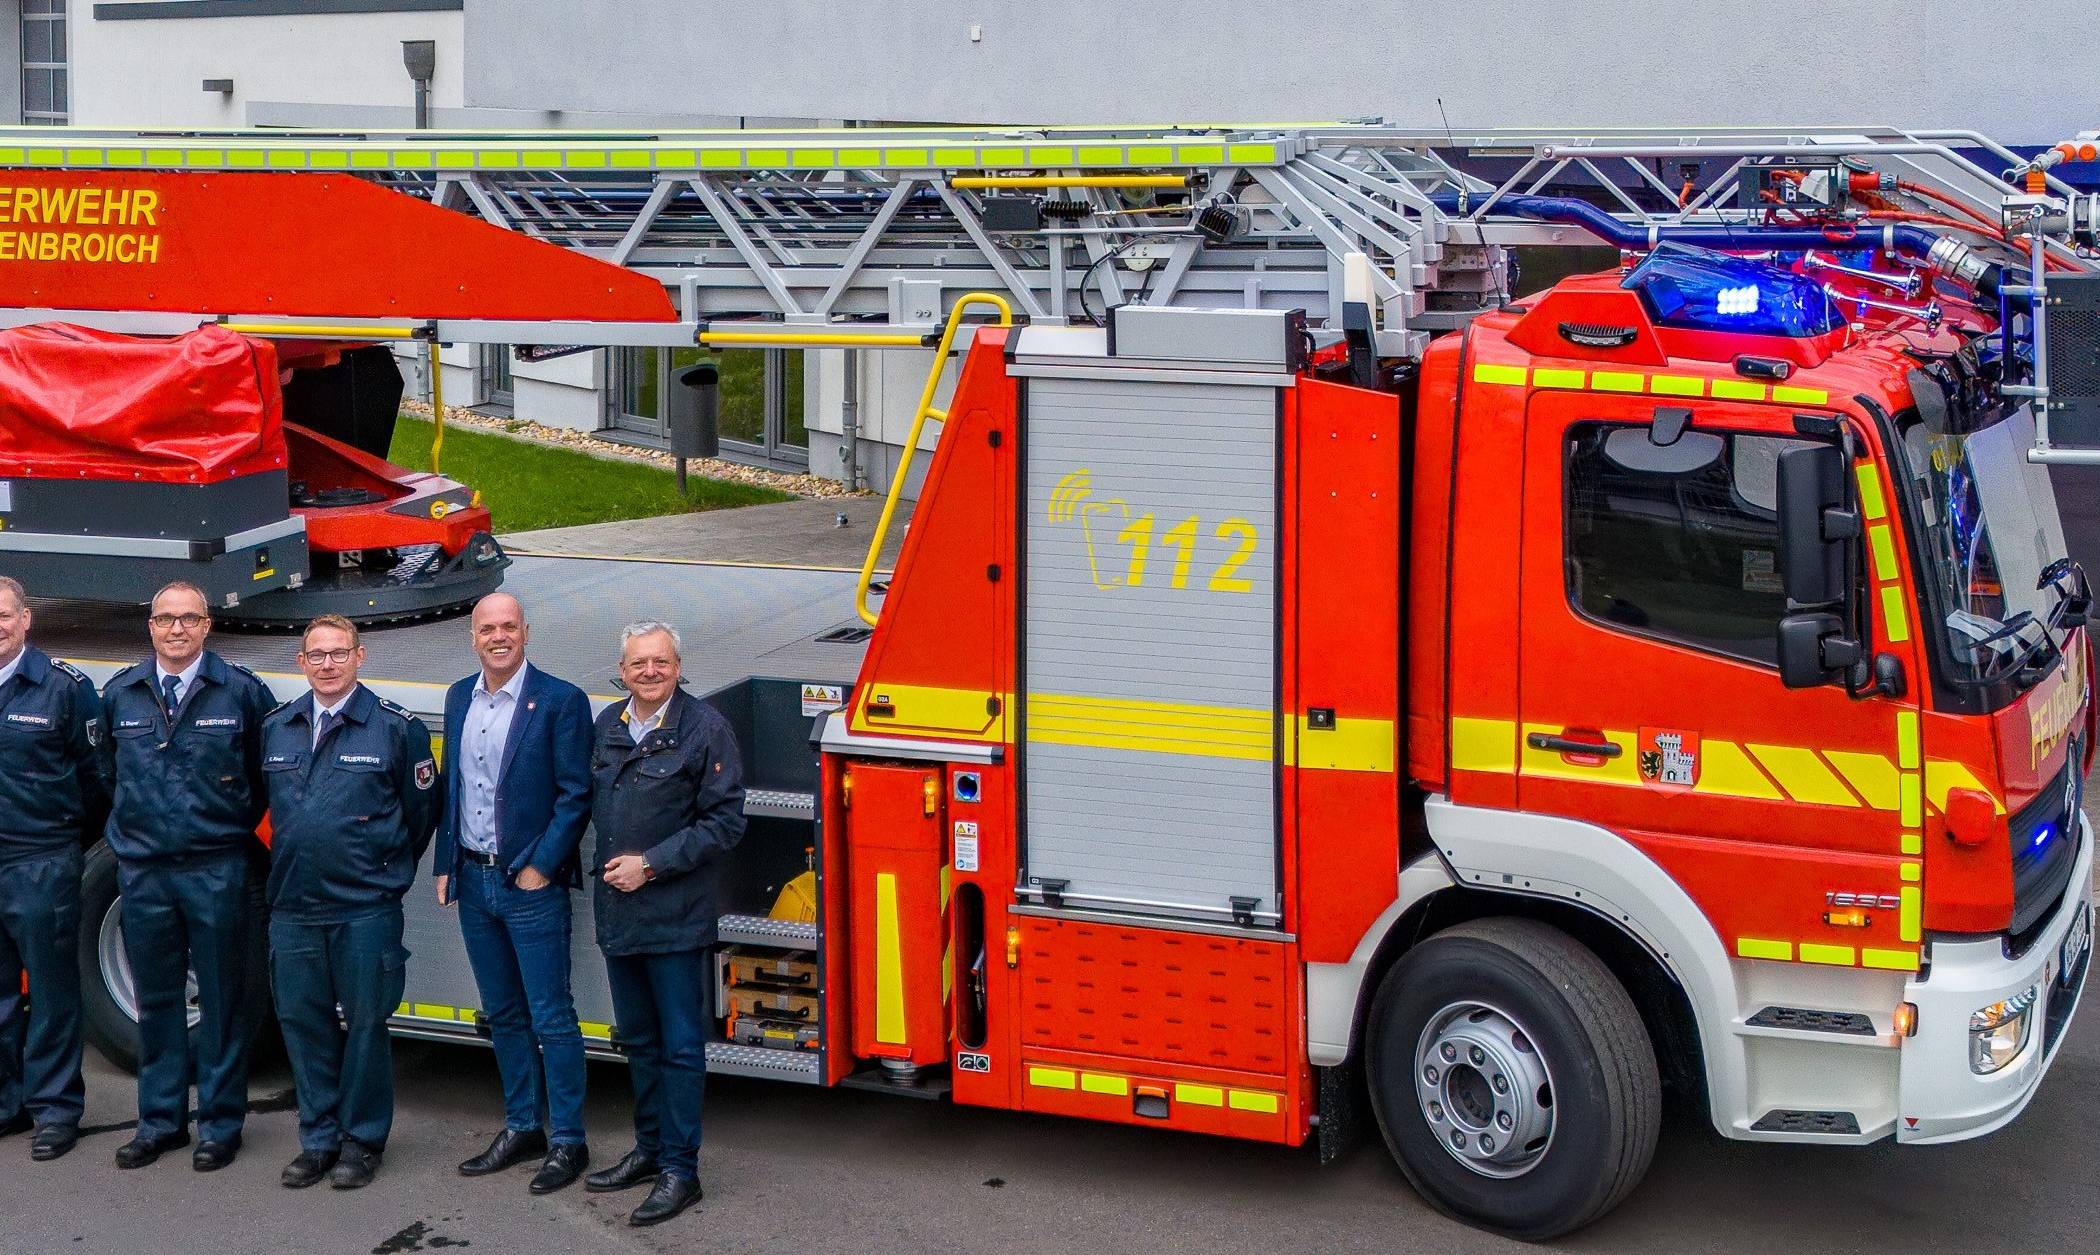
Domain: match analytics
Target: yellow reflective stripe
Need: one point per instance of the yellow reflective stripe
(1053, 1078)
(1737, 390)
(1889, 960)
(967, 712)
(1240, 732)
(1200, 1095)
(1100, 156)
(1872, 776)
(1264, 153)
(1837, 956)
(1483, 744)
(1787, 395)
(1350, 745)
(1102, 1083)
(1487, 372)
(1616, 381)
(889, 963)
(1728, 771)
(1870, 499)
(1804, 776)
(1254, 1100)
(596, 1030)
(1677, 386)
(1547, 377)
(1912, 843)
(1907, 918)
(1912, 871)
(244, 159)
(1910, 800)
(1549, 765)
(1943, 776)
(1895, 619)
(1907, 739)
(1756, 948)
(1884, 552)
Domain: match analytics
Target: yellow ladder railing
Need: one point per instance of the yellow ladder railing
(911, 442)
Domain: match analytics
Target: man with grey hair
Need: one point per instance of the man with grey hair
(54, 795)
(668, 806)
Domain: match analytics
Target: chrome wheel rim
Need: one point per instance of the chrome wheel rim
(1484, 1090)
(115, 962)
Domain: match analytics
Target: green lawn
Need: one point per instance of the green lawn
(528, 486)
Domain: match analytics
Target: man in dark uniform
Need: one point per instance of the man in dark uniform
(186, 745)
(54, 796)
(353, 801)
(668, 803)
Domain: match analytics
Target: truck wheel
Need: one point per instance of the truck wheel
(108, 994)
(1512, 1078)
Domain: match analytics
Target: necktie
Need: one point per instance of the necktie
(329, 721)
(170, 685)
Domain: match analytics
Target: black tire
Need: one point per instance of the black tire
(1605, 1091)
(108, 1025)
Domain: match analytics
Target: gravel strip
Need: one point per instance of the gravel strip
(529, 432)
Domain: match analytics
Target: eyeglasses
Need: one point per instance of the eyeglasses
(317, 657)
(190, 621)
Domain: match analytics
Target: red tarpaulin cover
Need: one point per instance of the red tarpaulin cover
(76, 403)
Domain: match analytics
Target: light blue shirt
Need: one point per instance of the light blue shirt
(13, 665)
(639, 728)
(322, 712)
(482, 739)
(183, 679)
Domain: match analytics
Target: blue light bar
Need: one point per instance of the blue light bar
(1702, 290)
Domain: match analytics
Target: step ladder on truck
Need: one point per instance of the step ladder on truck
(1315, 679)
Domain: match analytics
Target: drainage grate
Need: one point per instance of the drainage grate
(1829, 1122)
(1851, 1023)
(848, 635)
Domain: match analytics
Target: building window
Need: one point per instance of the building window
(45, 100)
(761, 398)
(1678, 541)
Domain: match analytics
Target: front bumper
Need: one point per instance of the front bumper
(1939, 1099)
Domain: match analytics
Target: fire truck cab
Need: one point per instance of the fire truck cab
(1679, 677)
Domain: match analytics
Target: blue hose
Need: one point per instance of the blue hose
(1911, 240)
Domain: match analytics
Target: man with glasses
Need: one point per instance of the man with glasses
(353, 801)
(185, 743)
(54, 796)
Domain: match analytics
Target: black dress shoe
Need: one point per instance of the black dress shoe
(52, 1141)
(142, 1150)
(673, 1194)
(355, 1169)
(636, 1169)
(564, 1164)
(212, 1156)
(510, 1149)
(17, 1123)
(307, 1169)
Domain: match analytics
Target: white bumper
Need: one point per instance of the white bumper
(1939, 1099)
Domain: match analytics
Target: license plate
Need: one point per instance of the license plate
(2072, 952)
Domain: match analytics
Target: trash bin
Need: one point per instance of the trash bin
(695, 419)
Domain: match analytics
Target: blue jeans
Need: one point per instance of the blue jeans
(518, 943)
(40, 1036)
(344, 1073)
(179, 917)
(660, 1003)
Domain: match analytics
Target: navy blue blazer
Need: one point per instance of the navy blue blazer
(543, 789)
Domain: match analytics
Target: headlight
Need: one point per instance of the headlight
(1998, 1032)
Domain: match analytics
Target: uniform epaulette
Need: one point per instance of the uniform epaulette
(396, 708)
(281, 707)
(73, 671)
(244, 671)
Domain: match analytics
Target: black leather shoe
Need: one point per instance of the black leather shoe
(355, 1169)
(17, 1123)
(563, 1165)
(142, 1150)
(212, 1156)
(52, 1141)
(673, 1194)
(510, 1149)
(636, 1169)
(307, 1169)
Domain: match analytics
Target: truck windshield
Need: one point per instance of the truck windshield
(1989, 527)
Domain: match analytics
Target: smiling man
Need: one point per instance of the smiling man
(185, 746)
(517, 794)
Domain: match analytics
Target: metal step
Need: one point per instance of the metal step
(757, 930)
(1803, 1020)
(1834, 1123)
(780, 804)
(774, 1065)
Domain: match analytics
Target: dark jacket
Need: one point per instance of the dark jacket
(677, 799)
(543, 791)
(54, 784)
(349, 819)
(194, 786)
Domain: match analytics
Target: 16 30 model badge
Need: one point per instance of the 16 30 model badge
(1669, 758)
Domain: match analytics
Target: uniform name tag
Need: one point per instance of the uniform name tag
(219, 723)
(275, 759)
(361, 760)
(133, 723)
(34, 721)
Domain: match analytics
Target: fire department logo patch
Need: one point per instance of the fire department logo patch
(1669, 758)
(426, 773)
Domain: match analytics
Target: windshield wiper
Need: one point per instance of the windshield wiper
(2034, 658)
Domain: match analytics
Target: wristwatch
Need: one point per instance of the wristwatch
(648, 872)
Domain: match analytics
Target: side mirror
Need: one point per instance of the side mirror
(1816, 531)
(1814, 650)
(1974, 821)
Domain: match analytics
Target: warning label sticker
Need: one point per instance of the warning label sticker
(965, 846)
(820, 699)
